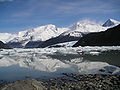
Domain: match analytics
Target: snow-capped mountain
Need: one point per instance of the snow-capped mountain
(111, 22)
(75, 32)
(84, 26)
(87, 26)
(44, 33)
(41, 33)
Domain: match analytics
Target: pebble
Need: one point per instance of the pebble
(72, 81)
(86, 82)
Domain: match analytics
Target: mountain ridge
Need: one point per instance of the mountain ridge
(110, 37)
(47, 32)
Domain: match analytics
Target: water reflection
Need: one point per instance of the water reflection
(45, 63)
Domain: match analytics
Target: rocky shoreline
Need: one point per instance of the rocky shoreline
(69, 81)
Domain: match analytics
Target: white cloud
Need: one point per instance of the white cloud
(85, 7)
(50, 8)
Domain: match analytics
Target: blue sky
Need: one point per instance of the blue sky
(17, 15)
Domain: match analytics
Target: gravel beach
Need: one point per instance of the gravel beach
(69, 81)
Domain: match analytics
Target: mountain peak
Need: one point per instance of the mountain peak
(86, 26)
(111, 22)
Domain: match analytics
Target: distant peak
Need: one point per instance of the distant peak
(82, 24)
(111, 22)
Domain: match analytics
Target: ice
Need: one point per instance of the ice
(91, 67)
(51, 62)
(66, 44)
(94, 53)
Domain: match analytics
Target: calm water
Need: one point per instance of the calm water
(111, 56)
(46, 63)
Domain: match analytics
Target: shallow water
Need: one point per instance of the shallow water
(17, 64)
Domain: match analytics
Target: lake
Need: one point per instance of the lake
(44, 63)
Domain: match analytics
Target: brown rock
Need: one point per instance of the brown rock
(24, 85)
